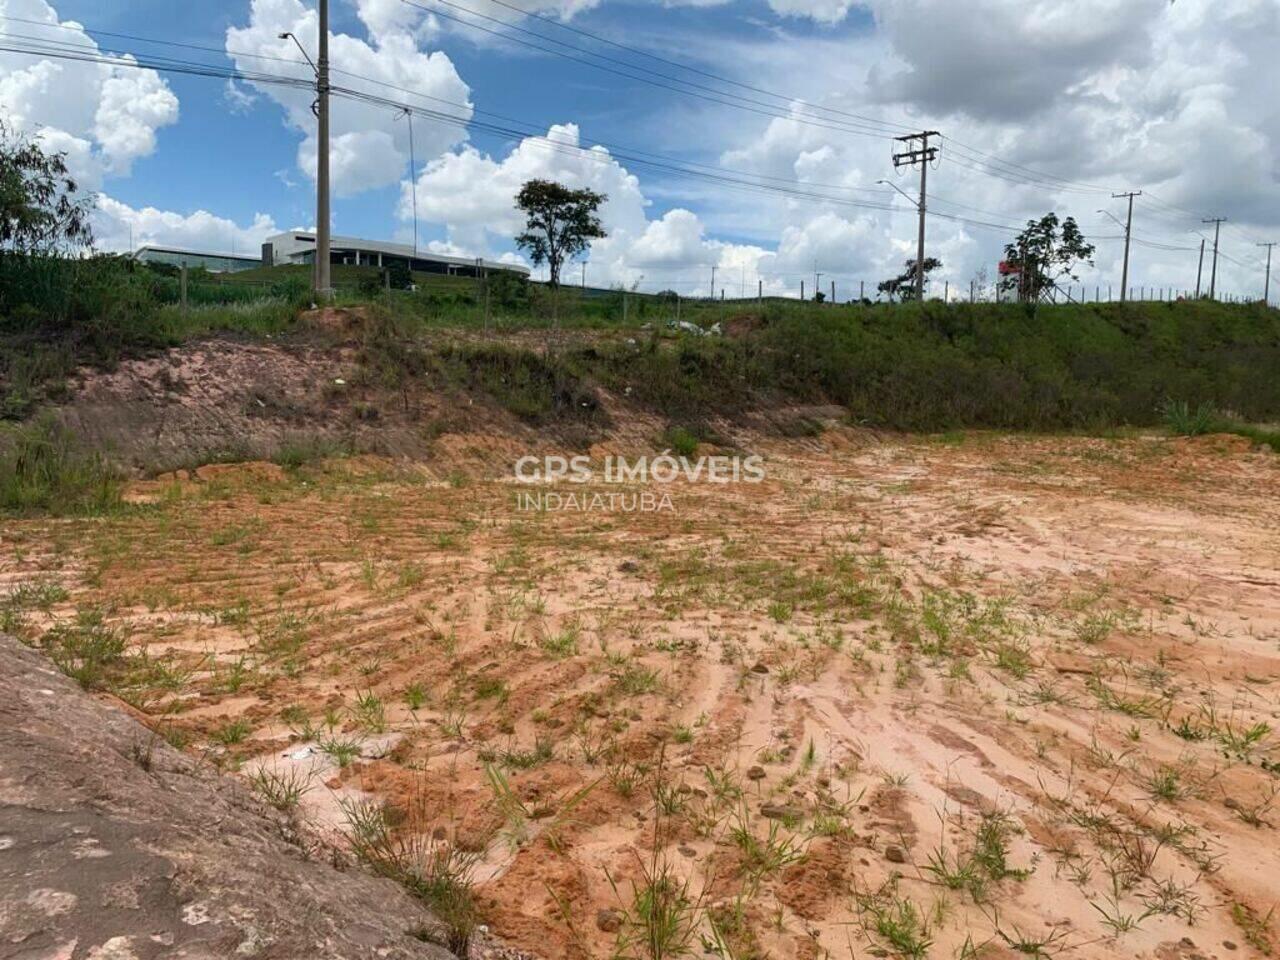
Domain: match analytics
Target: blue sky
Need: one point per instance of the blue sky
(193, 168)
(1073, 100)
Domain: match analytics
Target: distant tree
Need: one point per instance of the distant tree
(1053, 250)
(981, 280)
(559, 223)
(903, 286)
(819, 297)
(41, 210)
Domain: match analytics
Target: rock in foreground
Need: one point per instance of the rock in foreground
(113, 844)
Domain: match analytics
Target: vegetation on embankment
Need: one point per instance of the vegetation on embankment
(903, 367)
(1193, 366)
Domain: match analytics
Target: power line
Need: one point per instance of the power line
(699, 91)
(986, 163)
(968, 157)
(753, 183)
(142, 39)
(687, 169)
(684, 66)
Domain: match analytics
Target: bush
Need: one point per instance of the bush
(683, 442)
(508, 290)
(533, 387)
(1184, 421)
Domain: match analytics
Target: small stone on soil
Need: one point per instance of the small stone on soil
(610, 921)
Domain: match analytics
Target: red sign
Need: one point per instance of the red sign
(1007, 268)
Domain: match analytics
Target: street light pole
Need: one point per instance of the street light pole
(324, 286)
(320, 275)
(1128, 233)
(1266, 289)
(407, 113)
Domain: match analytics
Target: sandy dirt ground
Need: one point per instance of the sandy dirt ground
(962, 696)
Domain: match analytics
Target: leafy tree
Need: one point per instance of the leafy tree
(560, 222)
(40, 211)
(903, 286)
(1053, 251)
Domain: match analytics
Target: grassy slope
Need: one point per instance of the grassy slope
(1196, 366)
(955, 366)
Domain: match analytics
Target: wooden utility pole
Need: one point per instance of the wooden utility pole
(1266, 287)
(1213, 273)
(1022, 271)
(1200, 268)
(1128, 233)
(923, 155)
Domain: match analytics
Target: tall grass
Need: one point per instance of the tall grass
(1184, 420)
(59, 313)
(42, 470)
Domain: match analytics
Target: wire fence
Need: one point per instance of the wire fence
(228, 288)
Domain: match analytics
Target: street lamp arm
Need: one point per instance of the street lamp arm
(290, 36)
(912, 200)
(1119, 222)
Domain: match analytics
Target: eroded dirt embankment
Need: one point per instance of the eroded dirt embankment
(339, 383)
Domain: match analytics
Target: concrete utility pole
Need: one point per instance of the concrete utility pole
(324, 285)
(321, 271)
(1213, 273)
(1266, 288)
(413, 179)
(817, 279)
(924, 155)
(713, 282)
(1128, 233)
(1200, 268)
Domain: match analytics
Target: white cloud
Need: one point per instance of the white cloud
(370, 145)
(105, 117)
(1174, 99)
(117, 224)
(822, 11)
(239, 99)
(474, 195)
